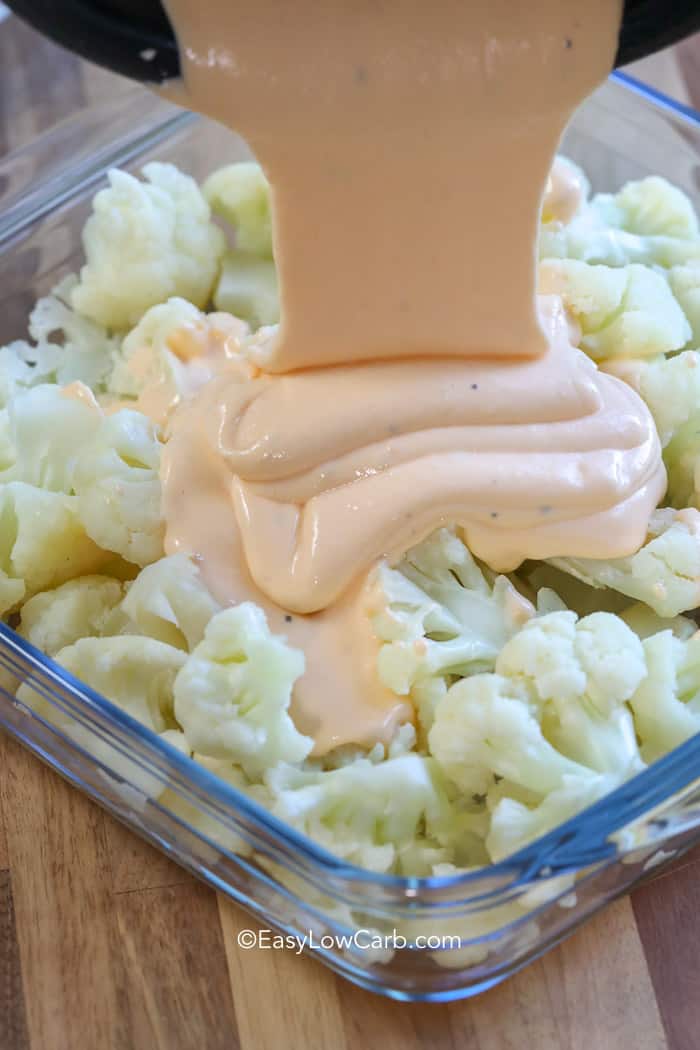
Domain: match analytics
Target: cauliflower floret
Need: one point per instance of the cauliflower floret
(248, 288)
(581, 672)
(84, 608)
(371, 814)
(651, 207)
(117, 483)
(666, 705)
(671, 389)
(563, 658)
(16, 374)
(67, 347)
(159, 323)
(146, 358)
(240, 194)
(42, 543)
(685, 285)
(549, 731)
(232, 696)
(137, 674)
(44, 456)
(627, 312)
(682, 459)
(589, 238)
(145, 242)
(648, 221)
(592, 293)
(168, 601)
(664, 573)
(424, 639)
(487, 726)
(439, 616)
(514, 824)
(172, 352)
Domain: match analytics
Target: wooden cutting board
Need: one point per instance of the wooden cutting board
(106, 945)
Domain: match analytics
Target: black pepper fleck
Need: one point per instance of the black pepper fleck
(475, 386)
(479, 799)
(568, 42)
(494, 513)
(287, 618)
(546, 508)
(360, 75)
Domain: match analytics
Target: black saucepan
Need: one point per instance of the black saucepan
(135, 38)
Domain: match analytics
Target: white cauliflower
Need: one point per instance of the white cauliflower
(664, 573)
(685, 285)
(439, 615)
(671, 389)
(145, 242)
(240, 194)
(248, 288)
(168, 601)
(581, 672)
(117, 484)
(146, 357)
(16, 374)
(624, 312)
(651, 207)
(137, 674)
(514, 824)
(487, 726)
(649, 221)
(549, 731)
(372, 814)
(172, 352)
(44, 456)
(42, 542)
(682, 459)
(65, 348)
(88, 607)
(158, 325)
(232, 696)
(666, 705)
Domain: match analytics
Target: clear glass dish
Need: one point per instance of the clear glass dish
(489, 922)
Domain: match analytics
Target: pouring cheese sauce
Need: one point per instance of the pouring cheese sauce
(415, 379)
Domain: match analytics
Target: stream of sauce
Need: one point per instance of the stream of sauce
(415, 380)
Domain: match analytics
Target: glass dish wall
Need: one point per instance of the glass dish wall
(437, 938)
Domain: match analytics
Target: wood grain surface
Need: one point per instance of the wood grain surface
(106, 945)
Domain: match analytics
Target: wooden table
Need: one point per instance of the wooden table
(106, 944)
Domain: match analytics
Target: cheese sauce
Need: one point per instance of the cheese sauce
(414, 380)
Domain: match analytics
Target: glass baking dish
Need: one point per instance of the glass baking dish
(430, 938)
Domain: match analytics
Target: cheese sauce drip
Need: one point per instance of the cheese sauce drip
(414, 380)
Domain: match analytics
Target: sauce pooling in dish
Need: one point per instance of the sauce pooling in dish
(415, 380)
